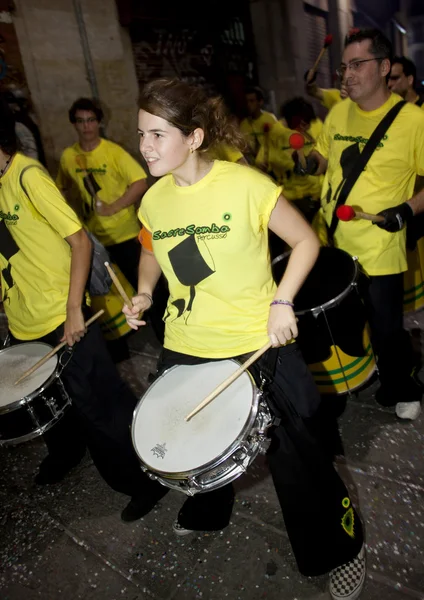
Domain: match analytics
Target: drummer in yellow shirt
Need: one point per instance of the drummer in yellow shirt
(328, 97)
(104, 184)
(259, 121)
(275, 156)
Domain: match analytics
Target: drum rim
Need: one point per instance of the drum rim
(46, 384)
(187, 475)
(315, 310)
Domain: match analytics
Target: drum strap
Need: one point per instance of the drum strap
(361, 162)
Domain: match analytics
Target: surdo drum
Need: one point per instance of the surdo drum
(217, 445)
(30, 408)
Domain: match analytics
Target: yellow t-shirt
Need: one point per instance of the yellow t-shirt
(112, 170)
(225, 152)
(253, 129)
(211, 241)
(388, 179)
(281, 164)
(35, 259)
(330, 98)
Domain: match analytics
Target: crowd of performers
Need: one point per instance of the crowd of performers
(201, 234)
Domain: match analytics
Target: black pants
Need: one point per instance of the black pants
(127, 256)
(383, 297)
(100, 417)
(323, 527)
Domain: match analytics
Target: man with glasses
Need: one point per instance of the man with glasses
(402, 80)
(385, 187)
(104, 185)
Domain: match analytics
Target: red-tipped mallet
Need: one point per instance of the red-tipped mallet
(328, 40)
(297, 141)
(347, 213)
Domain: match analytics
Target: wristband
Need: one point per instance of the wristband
(286, 302)
(149, 297)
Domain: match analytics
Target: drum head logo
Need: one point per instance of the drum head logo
(159, 450)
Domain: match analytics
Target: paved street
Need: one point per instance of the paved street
(67, 541)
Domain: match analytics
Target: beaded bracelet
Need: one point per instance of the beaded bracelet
(286, 302)
(149, 297)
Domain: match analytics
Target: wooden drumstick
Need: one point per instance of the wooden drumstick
(327, 42)
(52, 352)
(222, 386)
(347, 213)
(118, 285)
(297, 141)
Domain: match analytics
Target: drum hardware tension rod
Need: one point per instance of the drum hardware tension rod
(229, 380)
(52, 352)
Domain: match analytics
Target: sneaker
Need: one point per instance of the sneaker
(408, 410)
(176, 527)
(347, 581)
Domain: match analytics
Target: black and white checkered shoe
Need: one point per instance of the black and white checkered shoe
(347, 581)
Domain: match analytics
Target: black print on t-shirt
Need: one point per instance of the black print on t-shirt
(92, 187)
(8, 248)
(190, 268)
(347, 160)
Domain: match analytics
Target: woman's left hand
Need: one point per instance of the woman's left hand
(282, 324)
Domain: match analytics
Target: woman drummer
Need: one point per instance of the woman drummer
(205, 227)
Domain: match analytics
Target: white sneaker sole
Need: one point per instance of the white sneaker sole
(408, 410)
(178, 530)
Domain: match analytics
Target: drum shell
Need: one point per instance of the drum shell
(113, 323)
(333, 331)
(35, 413)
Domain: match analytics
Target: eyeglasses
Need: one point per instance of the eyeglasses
(355, 65)
(89, 120)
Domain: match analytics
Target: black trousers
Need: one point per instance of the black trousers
(127, 256)
(383, 298)
(100, 417)
(324, 528)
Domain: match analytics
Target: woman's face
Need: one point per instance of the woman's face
(163, 146)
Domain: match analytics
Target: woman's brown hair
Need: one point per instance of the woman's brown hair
(188, 107)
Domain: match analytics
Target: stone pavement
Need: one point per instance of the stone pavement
(67, 541)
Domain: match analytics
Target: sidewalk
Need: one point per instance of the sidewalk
(67, 541)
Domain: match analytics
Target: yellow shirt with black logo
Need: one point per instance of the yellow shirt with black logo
(387, 181)
(276, 156)
(111, 171)
(35, 259)
(211, 241)
(253, 129)
(330, 98)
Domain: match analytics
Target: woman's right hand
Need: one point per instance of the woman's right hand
(134, 313)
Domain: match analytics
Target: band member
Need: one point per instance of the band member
(105, 184)
(205, 226)
(385, 187)
(277, 159)
(256, 124)
(327, 97)
(45, 258)
(402, 80)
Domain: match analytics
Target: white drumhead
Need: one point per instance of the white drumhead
(165, 442)
(14, 361)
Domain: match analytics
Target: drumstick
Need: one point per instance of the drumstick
(327, 42)
(347, 213)
(229, 380)
(54, 350)
(118, 285)
(297, 141)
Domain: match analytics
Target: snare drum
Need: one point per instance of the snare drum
(217, 445)
(333, 330)
(30, 408)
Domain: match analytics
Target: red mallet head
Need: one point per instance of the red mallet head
(328, 40)
(353, 31)
(345, 213)
(296, 141)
